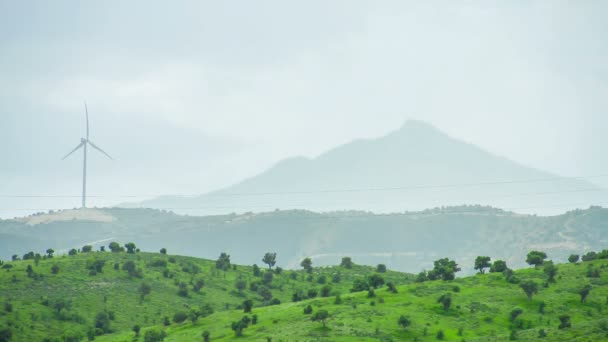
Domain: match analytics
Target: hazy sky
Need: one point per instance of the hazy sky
(190, 96)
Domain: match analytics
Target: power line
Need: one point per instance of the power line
(371, 189)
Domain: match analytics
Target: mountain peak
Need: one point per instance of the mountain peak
(417, 125)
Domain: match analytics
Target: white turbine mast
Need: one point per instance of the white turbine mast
(83, 144)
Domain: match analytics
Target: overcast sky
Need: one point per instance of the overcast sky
(190, 96)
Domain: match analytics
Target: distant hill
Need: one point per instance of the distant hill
(413, 168)
(405, 241)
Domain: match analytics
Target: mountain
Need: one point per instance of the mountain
(403, 241)
(413, 168)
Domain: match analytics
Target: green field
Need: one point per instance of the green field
(65, 306)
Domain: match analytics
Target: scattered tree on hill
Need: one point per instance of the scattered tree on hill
(223, 262)
(564, 322)
(498, 266)
(73, 251)
(308, 310)
(326, 291)
(206, 336)
(102, 248)
(102, 322)
(530, 287)
(55, 269)
(265, 292)
(130, 247)
(86, 248)
(481, 263)
(30, 271)
(15, 257)
(114, 247)
(163, 251)
(50, 252)
(307, 265)
(404, 322)
(573, 258)
(536, 258)
(267, 278)
(240, 285)
(256, 271)
(347, 262)
(180, 317)
(375, 280)
(515, 313)
(154, 335)
(440, 335)
(240, 325)
(132, 269)
(584, 292)
(550, 270)
(381, 268)
(144, 290)
(359, 285)
(136, 329)
(446, 301)
(270, 259)
(320, 316)
(391, 287)
(444, 269)
(247, 305)
(6, 334)
(589, 256)
(312, 293)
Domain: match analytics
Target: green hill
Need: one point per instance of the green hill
(65, 305)
(41, 305)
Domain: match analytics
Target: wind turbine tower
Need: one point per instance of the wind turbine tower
(83, 144)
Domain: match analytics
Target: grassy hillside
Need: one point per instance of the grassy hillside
(65, 305)
(481, 310)
(407, 241)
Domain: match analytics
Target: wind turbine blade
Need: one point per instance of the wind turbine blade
(86, 111)
(74, 150)
(99, 149)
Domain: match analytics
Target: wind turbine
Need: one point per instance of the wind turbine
(83, 144)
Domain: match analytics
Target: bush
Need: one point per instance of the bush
(154, 335)
(180, 317)
(381, 268)
(308, 310)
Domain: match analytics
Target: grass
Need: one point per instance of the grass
(34, 299)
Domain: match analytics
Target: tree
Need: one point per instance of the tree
(307, 265)
(326, 291)
(515, 313)
(55, 269)
(130, 247)
(240, 285)
(375, 280)
(256, 271)
(498, 266)
(404, 322)
(536, 258)
(154, 335)
(530, 287)
(444, 269)
(381, 268)
(240, 325)
(206, 336)
(573, 258)
(446, 301)
(102, 322)
(102, 248)
(72, 251)
(114, 247)
(390, 286)
(247, 305)
(564, 322)
(144, 290)
(270, 259)
(320, 316)
(267, 278)
(163, 251)
(15, 257)
(5, 334)
(50, 252)
(308, 310)
(584, 292)
(223, 262)
(550, 270)
(481, 263)
(86, 248)
(346, 262)
(589, 256)
(136, 329)
(312, 293)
